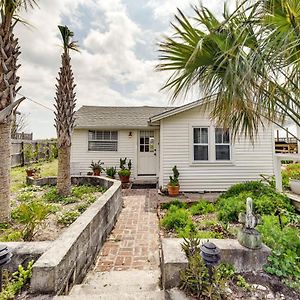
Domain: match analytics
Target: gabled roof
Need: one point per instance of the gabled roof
(89, 117)
(177, 110)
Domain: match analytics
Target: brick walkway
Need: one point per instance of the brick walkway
(134, 242)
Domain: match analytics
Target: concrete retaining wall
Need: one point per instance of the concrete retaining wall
(243, 259)
(24, 252)
(66, 262)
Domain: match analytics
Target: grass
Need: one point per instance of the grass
(18, 174)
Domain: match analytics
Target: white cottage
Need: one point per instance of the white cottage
(157, 138)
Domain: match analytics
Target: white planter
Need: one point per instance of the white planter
(295, 186)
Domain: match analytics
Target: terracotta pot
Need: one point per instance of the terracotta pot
(295, 186)
(97, 172)
(30, 173)
(124, 179)
(173, 191)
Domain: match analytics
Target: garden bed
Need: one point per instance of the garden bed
(40, 214)
(279, 226)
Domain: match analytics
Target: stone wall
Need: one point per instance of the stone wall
(67, 260)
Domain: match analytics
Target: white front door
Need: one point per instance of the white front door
(147, 153)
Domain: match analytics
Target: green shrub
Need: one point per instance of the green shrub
(265, 200)
(176, 218)
(111, 172)
(256, 187)
(284, 261)
(229, 208)
(52, 196)
(25, 196)
(201, 208)
(175, 202)
(17, 282)
(82, 190)
(68, 217)
(31, 215)
(82, 207)
(11, 235)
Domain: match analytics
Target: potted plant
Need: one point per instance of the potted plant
(31, 171)
(125, 171)
(295, 182)
(111, 172)
(96, 167)
(173, 186)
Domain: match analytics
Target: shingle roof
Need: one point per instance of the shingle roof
(116, 116)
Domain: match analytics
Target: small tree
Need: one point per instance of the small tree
(65, 111)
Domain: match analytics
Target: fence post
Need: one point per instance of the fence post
(48, 152)
(22, 155)
(37, 152)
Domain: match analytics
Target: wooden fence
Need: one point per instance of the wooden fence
(42, 150)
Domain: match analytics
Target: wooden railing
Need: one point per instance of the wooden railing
(22, 136)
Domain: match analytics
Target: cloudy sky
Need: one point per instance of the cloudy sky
(118, 41)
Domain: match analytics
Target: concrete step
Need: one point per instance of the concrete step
(116, 281)
(156, 295)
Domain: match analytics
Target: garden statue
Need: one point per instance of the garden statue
(249, 237)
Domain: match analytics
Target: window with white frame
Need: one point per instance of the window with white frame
(222, 144)
(201, 143)
(103, 141)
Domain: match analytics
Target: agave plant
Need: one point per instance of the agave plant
(65, 111)
(9, 54)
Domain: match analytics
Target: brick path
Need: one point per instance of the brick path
(134, 242)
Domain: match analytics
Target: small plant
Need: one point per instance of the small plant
(97, 167)
(176, 218)
(175, 202)
(125, 170)
(31, 215)
(68, 217)
(242, 283)
(82, 207)
(25, 196)
(195, 279)
(17, 282)
(284, 261)
(173, 185)
(202, 208)
(11, 235)
(174, 180)
(111, 172)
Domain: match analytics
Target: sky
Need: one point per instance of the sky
(118, 42)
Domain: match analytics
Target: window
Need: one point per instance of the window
(201, 144)
(147, 141)
(103, 141)
(222, 140)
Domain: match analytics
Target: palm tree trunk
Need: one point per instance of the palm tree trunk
(5, 165)
(64, 171)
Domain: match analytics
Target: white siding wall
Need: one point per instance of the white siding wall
(81, 158)
(248, 162)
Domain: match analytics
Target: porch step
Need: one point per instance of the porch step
(128, 285)
(156, 295)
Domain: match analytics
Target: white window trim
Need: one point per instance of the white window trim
(222, 144)
(211, 146)
(97, 151)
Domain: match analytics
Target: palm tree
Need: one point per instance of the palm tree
(65, 111)
(9, 54)
(247, 63)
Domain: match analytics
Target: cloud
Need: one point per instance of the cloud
(117, 59)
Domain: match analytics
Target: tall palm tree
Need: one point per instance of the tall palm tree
(65, 111)
(9, 54)
(247, 63)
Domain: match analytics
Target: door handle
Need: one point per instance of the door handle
(154, 152)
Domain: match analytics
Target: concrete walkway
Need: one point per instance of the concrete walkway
(128, 264)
